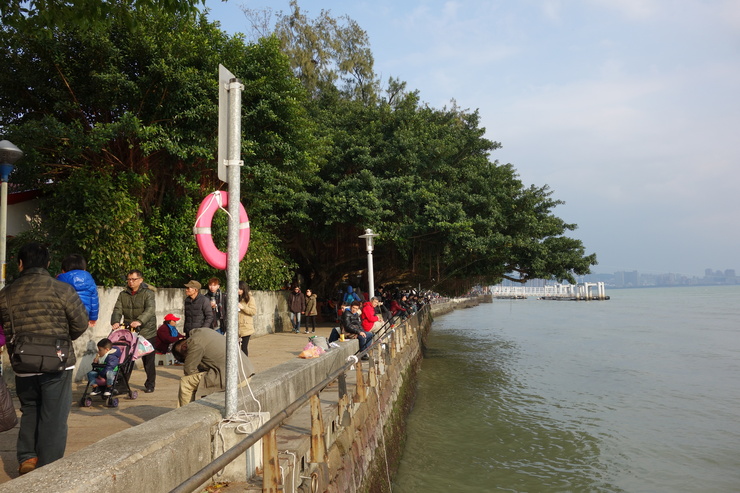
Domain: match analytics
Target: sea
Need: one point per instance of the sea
(638, 393)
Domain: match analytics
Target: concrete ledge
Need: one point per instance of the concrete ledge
(158, 455)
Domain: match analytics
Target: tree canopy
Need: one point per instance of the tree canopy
(118, 122)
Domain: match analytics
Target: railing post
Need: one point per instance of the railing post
(360, 390)
(270, 463)
(318, 444)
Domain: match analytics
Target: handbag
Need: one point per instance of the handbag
(8, 419)
(32, 352)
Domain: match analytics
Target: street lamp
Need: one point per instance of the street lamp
(369, 241)
(9, 154)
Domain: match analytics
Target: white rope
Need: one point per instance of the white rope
(214, 196)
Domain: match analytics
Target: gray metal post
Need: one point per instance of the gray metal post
(232, 258)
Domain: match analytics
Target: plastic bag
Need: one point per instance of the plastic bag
(143, 347)
(311, 351)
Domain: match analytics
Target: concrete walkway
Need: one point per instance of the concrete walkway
(90, 425)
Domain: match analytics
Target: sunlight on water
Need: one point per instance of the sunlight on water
(639, 393)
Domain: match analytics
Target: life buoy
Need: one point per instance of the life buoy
(202, 230)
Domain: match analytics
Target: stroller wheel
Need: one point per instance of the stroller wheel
(133, 394)
(87, 402)
(113, 402)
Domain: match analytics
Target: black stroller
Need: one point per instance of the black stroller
(125, 340)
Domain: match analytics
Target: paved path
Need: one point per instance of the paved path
(90, 425)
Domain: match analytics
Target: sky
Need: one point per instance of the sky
(629, 110)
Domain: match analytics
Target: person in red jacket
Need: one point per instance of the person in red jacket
(370, 319)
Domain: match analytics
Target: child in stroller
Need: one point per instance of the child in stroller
(105, 369)
(124, 342)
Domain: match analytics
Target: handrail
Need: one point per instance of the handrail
(219, 463)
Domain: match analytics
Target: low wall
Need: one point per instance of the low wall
(165, 451)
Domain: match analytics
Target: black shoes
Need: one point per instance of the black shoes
(149, 390)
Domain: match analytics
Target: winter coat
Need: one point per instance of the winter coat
(297, 302)
(85, 286)
(44, 305)
(351, 295)
(351, 322)
(207, 353)
(139, 306)
(311, 305)
(198, 313)
(368, 316)
(165, 339)
(247, 311)
(219, 313)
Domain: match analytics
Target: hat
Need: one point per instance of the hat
(193, 284)
(169, 317)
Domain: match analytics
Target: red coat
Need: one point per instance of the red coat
(368, 316)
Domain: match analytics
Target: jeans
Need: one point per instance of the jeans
(110, 377)
(365, 341)
(295, 318)
(45, 403)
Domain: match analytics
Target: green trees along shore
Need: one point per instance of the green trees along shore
(118, 122)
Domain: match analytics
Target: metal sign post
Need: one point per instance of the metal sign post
(231, 164)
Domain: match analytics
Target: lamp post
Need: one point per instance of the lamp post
(369, 243)
(9, 154)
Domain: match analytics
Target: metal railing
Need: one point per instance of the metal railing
(268, 431)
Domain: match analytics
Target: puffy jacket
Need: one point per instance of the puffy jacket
(140, 306)
(368, 316)
(198, 313)
(351, 322)
(44, 305)
(85, 286)
(247, 311)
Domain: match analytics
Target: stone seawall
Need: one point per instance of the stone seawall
(363, 433)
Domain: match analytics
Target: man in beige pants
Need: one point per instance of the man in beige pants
(204, 355)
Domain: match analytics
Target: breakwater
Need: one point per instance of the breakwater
(361, 429)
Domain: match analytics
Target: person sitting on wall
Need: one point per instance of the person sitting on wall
(352, 324)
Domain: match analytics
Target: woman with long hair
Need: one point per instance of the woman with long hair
(247, 311)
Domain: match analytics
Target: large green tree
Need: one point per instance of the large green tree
(123, 117)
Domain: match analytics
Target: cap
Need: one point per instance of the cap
(193, 284)
(169, 317)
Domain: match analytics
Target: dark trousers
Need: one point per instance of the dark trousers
(45, 403)
(149, 367)
(245, 345)
(312, 320)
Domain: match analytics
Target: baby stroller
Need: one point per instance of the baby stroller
(126, 341)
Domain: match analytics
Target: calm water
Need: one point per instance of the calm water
(640, 393)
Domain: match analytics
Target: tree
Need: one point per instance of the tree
(130, 111)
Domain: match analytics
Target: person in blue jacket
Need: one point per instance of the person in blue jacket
(109, 356)
(74, 272)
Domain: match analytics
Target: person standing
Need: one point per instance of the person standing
(36, 302)
(311, 310)
(198, 311)
(74, 272)
(297, 306)
(218, 305)
(137, 307)
(247, 311)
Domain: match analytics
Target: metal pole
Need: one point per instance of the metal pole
(232, 258)
(3, 229)
(370, 275)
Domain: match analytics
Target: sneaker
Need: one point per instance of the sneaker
(149, 390)
(106, 393)
(28, 465)
(95, 391)
(306, 331)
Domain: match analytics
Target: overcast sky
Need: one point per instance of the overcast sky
(628, 109)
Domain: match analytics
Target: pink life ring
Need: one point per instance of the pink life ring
(202, 230)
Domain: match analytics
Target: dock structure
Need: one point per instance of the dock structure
(587, 291)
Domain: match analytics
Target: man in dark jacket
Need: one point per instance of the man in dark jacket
(137, 306)
(36, 302)
(198, 311)
(297, 306)
(352, 324)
